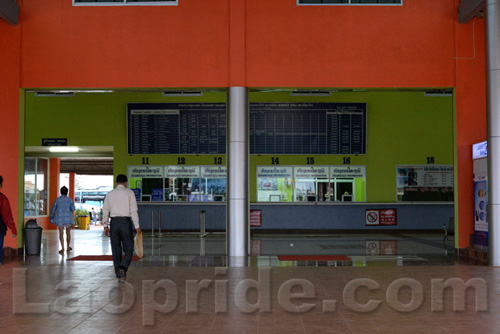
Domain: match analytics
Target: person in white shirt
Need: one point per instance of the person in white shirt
(120, 205)
(94, 216)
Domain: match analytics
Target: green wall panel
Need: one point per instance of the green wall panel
(402, 128)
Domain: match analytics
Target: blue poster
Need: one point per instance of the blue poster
(157, 195)
(137, 193)
(480, 206)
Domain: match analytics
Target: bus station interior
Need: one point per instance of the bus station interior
(358, 118)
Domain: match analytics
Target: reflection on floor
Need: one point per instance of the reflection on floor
(337, 284)
(191, 250)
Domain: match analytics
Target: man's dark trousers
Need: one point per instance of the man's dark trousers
(122, 241)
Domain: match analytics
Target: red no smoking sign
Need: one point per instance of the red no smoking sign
(381, 217)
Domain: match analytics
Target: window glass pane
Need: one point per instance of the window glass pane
(151, 0)
(42, 187)
(213, 190)
(151, 189)
(122, 1)
(324, 191)
(270, 189)
(324, 1)
(345, 190)
(29, 187)
(305, 190)
(376, 1)
(95, 1)
(181, 190)
(425, 183)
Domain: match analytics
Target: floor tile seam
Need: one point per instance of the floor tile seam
(175, 314)
(123, 324)
(212, 325)
(345, 321)
(83, 320)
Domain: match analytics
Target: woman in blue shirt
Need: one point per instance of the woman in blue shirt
(62, 214)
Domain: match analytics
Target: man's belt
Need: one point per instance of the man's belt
(119, 219)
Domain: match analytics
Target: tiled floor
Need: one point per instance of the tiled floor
(390, 284)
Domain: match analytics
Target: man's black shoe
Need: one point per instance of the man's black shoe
(122, 276)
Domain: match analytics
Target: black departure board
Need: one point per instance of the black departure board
(308, 128)
(275, 128)
(176, 128)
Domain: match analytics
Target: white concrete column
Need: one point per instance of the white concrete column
(238, 202)
(492, 31)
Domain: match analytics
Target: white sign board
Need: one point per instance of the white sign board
(312, 172)
(347, 171)
(271, 171)
(480, 150)
(145, 171)
(213, 172)
(182, 171)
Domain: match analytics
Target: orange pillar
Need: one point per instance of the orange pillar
(53, 176)
(71, 193)
(54, 179)
(10, 44)
(470, 119)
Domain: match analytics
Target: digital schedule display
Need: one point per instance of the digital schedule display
(275, 128)
(176, 128)
(308, 128)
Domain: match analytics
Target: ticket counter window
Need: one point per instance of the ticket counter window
(181, 190)
(179, 183)
(275, 189)
(213, 190)
(306, 190)
(344, 190)
(325, 193)
(311, 184)
(150, 188)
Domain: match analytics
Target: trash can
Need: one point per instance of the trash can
(32, 237)
(83, 222)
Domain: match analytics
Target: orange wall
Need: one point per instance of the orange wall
(471, 116)
(286, 45)
(135, 46)
(9, 118)
(350, 46)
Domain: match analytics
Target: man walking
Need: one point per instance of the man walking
(120, 205)
(94, 216)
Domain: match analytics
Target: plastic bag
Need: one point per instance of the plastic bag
(138, 247)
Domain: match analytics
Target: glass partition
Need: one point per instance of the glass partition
(274, 184)
(425, 183)
(213, 184)
(36, 187)
(178, 183)
(311, 184)
(183, 183)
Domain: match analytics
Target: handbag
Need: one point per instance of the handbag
(138, 246)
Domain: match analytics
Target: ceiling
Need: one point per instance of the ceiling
(87, 166)
(86, 160)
